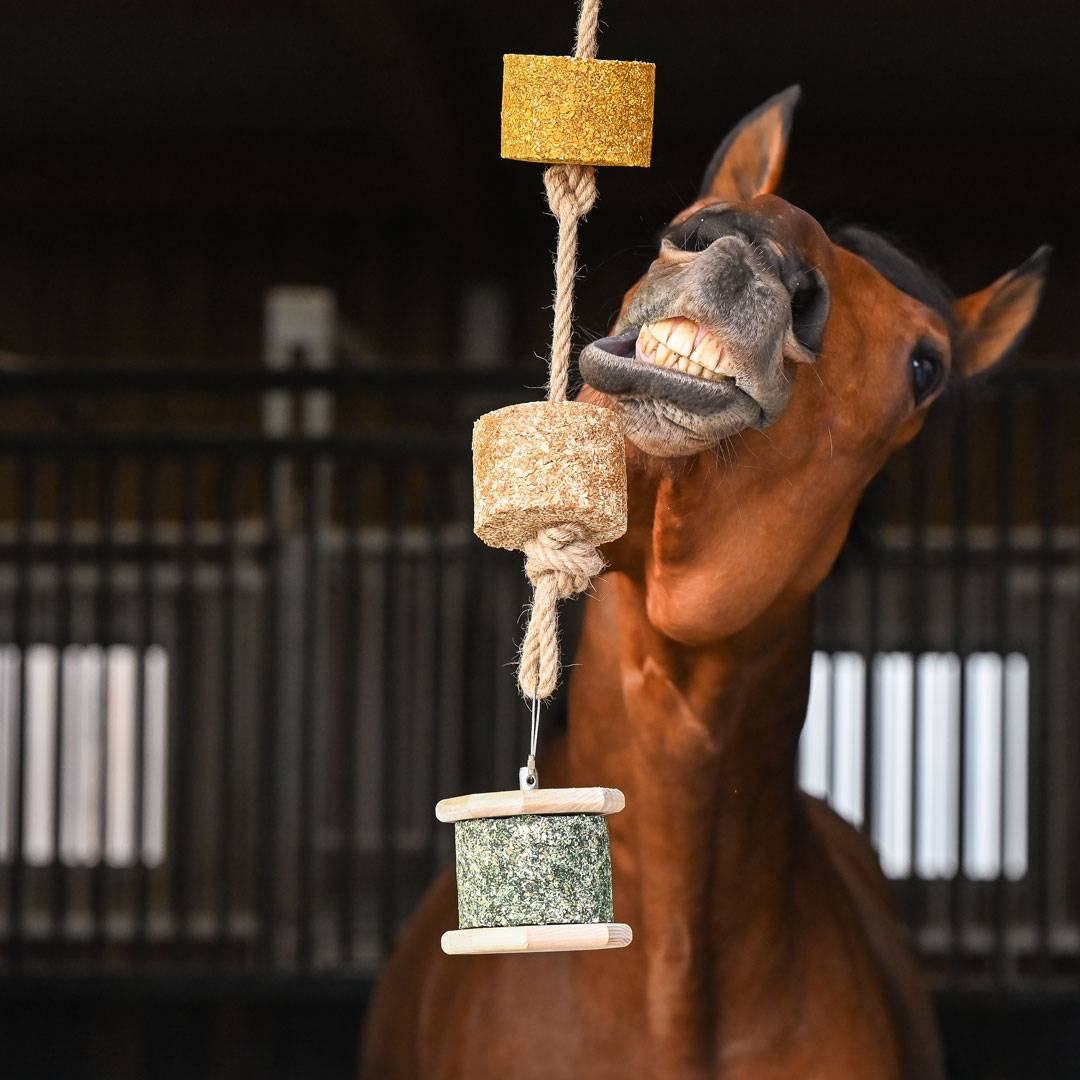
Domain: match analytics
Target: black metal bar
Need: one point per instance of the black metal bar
(438, 495)
(274, 510)
(144, 633)
(957, 891)
(353, 478)
(151, 379)
(23, 600)
(309, 689)
(103, 634)
(917, 646)
(872, 503)
(1042, 825)
(182, 723)
(387, 908)
(1001, 636)
(389, 449)
(58, 890)
(227, 469)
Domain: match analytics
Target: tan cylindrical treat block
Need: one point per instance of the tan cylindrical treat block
(545, 463)
(561, 110)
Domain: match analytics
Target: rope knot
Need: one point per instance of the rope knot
(560, 562)
(571, 191)
(563, 552)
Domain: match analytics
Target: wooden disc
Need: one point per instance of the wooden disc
(561, 110)
(572, 937)
(586, 800)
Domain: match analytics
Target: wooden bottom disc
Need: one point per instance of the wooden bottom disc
(571, 937)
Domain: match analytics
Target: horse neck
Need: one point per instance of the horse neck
(703, 743)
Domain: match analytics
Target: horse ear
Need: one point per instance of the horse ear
(751, 158)
(993, 320)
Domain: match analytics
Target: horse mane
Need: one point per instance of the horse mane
(898, 266)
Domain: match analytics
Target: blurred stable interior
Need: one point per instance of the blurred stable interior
(260, 266)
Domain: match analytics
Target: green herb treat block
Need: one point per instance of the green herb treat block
(534, 871)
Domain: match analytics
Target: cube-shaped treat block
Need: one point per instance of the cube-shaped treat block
(561, 110)
(546, 463)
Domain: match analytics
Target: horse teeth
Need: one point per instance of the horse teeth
(661, 330)
(681, 338)
(684, 345)
(706, 352)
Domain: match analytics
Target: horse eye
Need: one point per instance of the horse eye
(926, 372)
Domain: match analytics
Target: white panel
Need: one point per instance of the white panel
(982, 765)
(1017, 681)
(893, 700)
(80, 796)
(849, 680)
(38, 802)
(814, 741)
(299, 319)
(938, 737)
(120, 776)
(156, 721)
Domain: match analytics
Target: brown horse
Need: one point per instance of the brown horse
(764, 372)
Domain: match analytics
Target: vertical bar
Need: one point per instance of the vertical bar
(181, 731)
(438, 513)
(872, 504)
(227, 512)
(23, 596)
(1001, 638)
(353, 484)
(65, 557)
(957, 890)
(268, 749)
(917, 645)
(308, 690)
(1042, 825)
(144, 635)
(103, 634)
(393, 479)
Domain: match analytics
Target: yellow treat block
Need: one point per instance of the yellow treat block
(560, 110)
(546, 463)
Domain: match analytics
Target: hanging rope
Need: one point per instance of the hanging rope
(561, 561)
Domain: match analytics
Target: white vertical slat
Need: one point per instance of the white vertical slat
(38, 801)
(81, 778)
(982, 767)
(849, 681)
(156, 734)
(120, 777)
(1017, 681)
(938, 738)
(893, 700)
(814, 741)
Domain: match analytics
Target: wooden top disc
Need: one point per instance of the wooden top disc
(571, 800)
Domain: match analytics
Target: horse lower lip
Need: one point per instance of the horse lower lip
(626, 376)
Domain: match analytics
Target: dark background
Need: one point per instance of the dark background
(163, 164)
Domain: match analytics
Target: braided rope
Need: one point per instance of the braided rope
(562, 560)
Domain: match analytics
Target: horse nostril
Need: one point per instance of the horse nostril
(809, 307)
